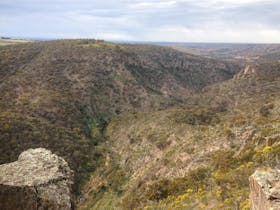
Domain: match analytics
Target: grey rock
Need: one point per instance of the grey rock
(37, 180)
(265, 189)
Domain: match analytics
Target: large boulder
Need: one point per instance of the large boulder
(265, 189)
(37, 180)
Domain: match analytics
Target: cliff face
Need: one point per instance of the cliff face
(37, 180)
(265, 190)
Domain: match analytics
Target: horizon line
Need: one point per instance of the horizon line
(134, 41)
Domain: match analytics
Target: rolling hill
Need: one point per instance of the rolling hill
(244, 53)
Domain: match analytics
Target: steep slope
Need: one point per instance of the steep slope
(193, 156)
(61, 94)
(255, 84)
(107, 76)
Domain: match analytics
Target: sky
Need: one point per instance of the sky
(240, 21)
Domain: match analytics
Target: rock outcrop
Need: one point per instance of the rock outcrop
(248, 72)
(265, 189)
(37, 180)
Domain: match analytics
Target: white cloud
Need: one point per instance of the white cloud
(236, 1)
(178, 33)
(154, 20)
(152, 4)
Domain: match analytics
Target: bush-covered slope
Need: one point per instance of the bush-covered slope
(195, 156)
(61, 94)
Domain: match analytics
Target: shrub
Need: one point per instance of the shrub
(265, 110)
(165, 187)
(268, 155)
(229, 133)
(196, 116)
(222, 160)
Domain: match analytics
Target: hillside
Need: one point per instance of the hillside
(196, 156)
(61, 94)
(143, 127)
(244, 53)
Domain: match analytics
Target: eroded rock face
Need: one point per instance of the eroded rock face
(37, 180)
(265, 189)
(248, 72)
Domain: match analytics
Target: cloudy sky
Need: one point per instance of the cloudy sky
(143, 20)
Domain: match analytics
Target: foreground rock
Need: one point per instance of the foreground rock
(265, 189)
(37, 180)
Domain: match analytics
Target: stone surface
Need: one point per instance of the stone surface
(265, 189)
(246, 73)
(37, 180)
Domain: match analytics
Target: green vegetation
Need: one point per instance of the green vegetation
(100, 44)
(62, 94)
(222, 186)
(265, 110)
(164, 188)
(143, 127)
(196, 116)
(21, 132)
(222, 147)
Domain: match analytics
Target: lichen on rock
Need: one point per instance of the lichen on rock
(265, 189)
(37, 180)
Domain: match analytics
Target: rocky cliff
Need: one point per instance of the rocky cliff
(265, 190)
(37, 180)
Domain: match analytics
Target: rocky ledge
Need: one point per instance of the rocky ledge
(37, 180)
(265, 189)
